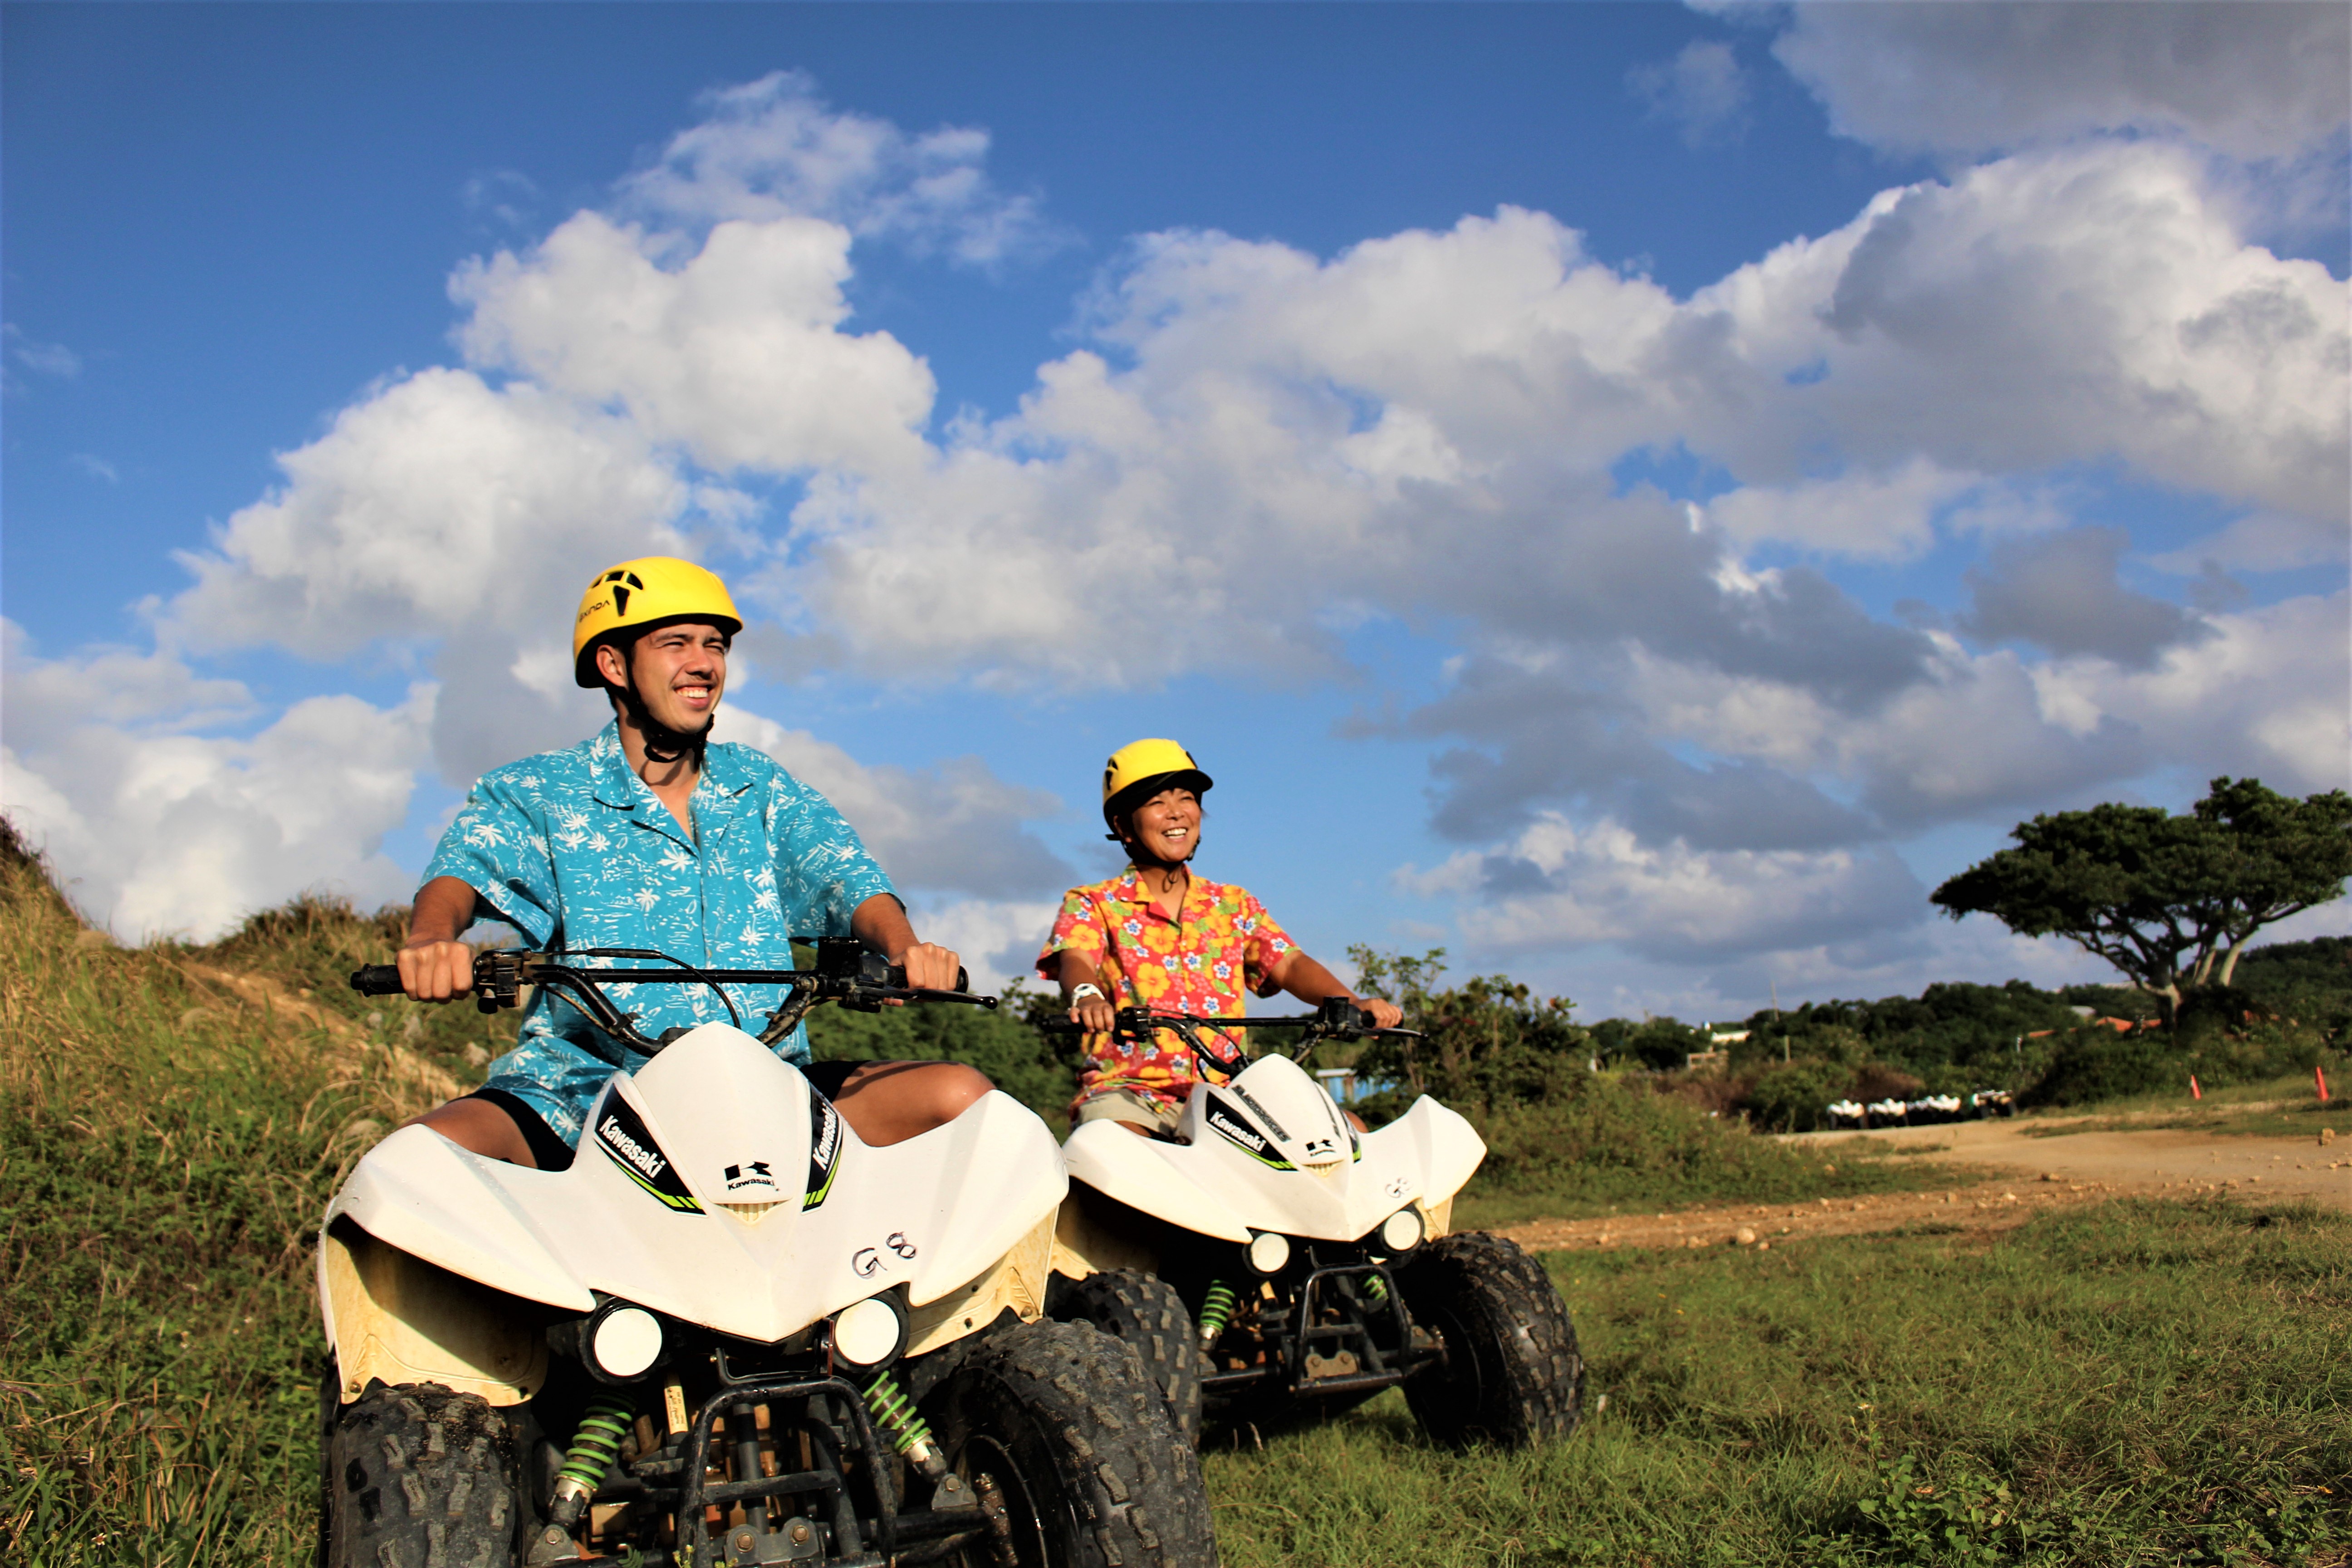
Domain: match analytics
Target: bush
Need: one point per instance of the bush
(1794, 1096)
(1004, 1044)
(1485, 1042)
(2098, 1063)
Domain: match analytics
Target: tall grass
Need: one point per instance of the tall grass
(167, 1142)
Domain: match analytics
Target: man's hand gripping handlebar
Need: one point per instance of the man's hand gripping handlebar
(847, 973)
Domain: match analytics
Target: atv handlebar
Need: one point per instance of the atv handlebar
(1335, 1018)
(846, 973)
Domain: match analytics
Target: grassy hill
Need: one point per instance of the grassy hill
(171, 1120)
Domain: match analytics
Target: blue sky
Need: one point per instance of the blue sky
(1632, 494)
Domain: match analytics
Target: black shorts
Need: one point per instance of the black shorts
(550, 1153)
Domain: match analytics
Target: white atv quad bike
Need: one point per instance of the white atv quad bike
(730, 1332)
(1270, 1262)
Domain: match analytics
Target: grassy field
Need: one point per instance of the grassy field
(2164, 1382)
(2130, 1384)
(2287, 1107)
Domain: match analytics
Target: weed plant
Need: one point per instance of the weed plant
(2134, 1383)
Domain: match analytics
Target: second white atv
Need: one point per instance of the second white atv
(1271, 1261)
(730, 1332)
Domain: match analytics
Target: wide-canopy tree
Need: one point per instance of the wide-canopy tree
(2169, 900)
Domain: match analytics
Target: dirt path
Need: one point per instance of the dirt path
(2044, 1173)
(2141, 1160)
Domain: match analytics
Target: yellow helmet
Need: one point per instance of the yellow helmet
(1142, 769)
(640, 594)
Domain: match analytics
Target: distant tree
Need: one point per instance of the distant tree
(1660, 1044)
(2169, 900)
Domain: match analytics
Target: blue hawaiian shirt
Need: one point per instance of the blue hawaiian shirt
(576, 851)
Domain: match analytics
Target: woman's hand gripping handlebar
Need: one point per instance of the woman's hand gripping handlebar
(846, 973)
(1336, 1018)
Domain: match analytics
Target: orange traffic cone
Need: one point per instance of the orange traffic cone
(2194, 1092)
(2317, 1073)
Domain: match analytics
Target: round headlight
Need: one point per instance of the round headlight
(626, 1341)
(1402, 1231)
(1269, 1253)
(867, 1332)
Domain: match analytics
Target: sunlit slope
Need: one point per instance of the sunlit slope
(171, 1120)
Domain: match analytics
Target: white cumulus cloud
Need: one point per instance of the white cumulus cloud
(733, 352)
(159, 832)
(1558, 885)
(774, 148)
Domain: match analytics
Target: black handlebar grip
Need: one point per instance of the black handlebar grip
(897, 978)
(377, 980)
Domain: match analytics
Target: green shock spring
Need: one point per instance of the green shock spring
(595, 1449)
(909, 1434)
(1216, 1312)
(1376, 1288)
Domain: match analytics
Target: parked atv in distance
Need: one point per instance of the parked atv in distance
(1271, 1261)
(730, 1332)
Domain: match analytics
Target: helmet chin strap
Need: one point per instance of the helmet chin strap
(1145, 859)
(664, 745)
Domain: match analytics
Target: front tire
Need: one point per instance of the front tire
(1150, 1317)
(1511, 1374)
(1081, 1442)
(418, 1477)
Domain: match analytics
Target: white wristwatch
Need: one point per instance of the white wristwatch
(1088, 989)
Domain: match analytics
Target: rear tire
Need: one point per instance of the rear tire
(1150, 1317)
(418, 1477)
(1081, 1442)
(1511, 1374)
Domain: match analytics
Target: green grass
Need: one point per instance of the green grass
(2132, 1384)
(2286, 1107)
(2150, 1383)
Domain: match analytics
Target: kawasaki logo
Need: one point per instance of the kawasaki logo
(1241, 1135)
(825, 1151)
(616, 1136)
(1235, 1128)
(631, 1146)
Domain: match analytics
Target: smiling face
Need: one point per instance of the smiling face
(677, 672)
(1167, 828)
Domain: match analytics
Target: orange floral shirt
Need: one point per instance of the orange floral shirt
(1224, 946)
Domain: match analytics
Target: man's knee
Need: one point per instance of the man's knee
(480, 1127)
(956, 1089)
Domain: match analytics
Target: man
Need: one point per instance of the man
(650, 835)
(1157, 936)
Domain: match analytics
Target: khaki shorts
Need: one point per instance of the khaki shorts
(1126, 1105)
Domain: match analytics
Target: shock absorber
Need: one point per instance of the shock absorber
(908, 1433)
(1216, 1312)
(1376, 1287)
(595, 1449)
